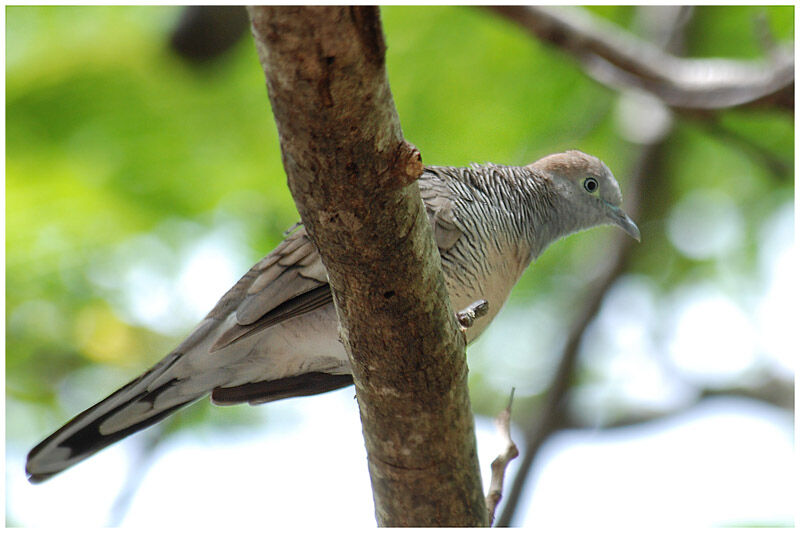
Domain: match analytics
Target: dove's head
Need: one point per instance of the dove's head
(589, 189)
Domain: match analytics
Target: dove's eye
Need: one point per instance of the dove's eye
(590, 184)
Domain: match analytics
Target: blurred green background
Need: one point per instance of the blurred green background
(139, 186)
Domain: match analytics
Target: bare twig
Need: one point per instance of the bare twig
(766, 39)
(500, 463)
(619, 59)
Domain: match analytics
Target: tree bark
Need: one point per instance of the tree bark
(353, 177)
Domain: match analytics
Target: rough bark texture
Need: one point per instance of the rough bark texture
(353, 179)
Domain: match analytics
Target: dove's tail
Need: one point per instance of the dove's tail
(139, 404)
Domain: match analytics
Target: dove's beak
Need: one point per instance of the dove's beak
(619, 218)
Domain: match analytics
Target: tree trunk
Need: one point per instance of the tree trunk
(353, 176)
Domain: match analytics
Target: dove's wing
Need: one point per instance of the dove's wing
(292, 280)
(438, 199)
(288, 282)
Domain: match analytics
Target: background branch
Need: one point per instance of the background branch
(773, 391)
(619, 59)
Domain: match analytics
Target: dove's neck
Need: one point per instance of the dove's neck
(523, 210)
(545, 212)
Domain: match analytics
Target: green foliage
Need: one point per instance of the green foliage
(497, 100)
(731, 31)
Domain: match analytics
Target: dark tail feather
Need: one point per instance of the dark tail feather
(82, 436)
(278, 389)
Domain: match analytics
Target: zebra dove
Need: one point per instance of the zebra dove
(274, 334)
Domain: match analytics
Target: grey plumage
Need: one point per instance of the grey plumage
(274, 334)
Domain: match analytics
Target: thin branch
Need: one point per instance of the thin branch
(509, 453)
(773, 391)
(143, 452)
(777, 167)
(619, 59)
(767, 40)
